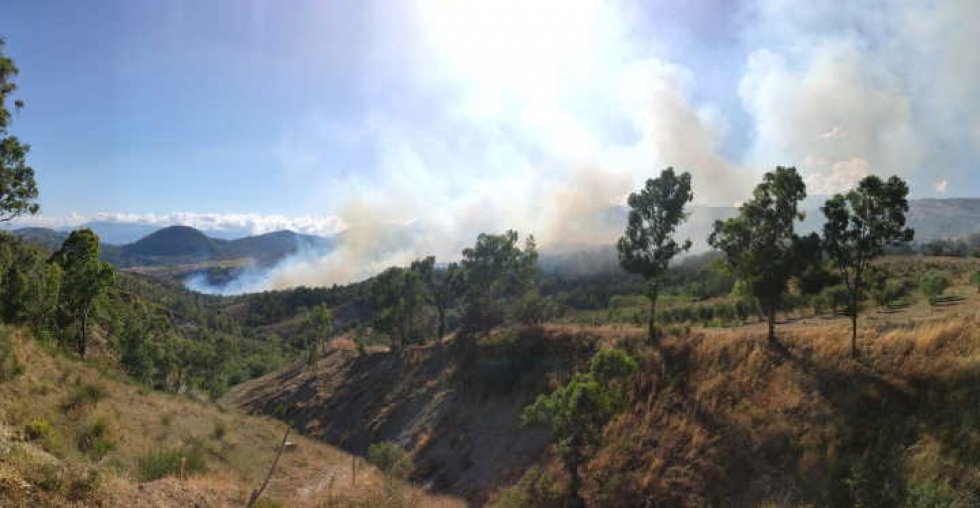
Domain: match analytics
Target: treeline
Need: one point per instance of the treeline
(760, 246)
(955, 247)
(495, 282)
(164, 337)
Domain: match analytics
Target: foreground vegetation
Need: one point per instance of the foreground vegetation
(71, 434)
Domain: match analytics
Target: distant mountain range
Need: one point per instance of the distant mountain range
(183, 245)
(179, 245)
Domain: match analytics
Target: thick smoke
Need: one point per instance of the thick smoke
(496, 115)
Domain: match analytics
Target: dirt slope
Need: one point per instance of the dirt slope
(455, 407)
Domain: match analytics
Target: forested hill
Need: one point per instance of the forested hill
(177, 245)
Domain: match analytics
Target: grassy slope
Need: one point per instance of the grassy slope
(51, 468)
(716, 416)
(721, 417)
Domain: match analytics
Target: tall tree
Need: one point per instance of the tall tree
(578, 411)
(319, 326)
(399, 296)
(443, 287)
(496, 271)
(18, 190)
(859, 225)
(648, 244)
(760, 245)
(86, 279)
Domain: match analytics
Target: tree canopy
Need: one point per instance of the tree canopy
(577, 412)
(18, 190)
(86, 278)
(859, 225)
(648, 244)
(760, 244)
(496, 271)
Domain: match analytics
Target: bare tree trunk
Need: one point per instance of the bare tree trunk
(854, 334)
(651, 327)
(771, 319)
(258, 492)
(854, 315)
(575, 485)
(83, 337)
(440, 309)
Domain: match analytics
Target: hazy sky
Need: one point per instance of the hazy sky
(469, 116)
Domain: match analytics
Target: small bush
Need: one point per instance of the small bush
(219, 431)
(87, 394)
(390, 458)
(836, 297)
(161, 463)
(933, 283)
(9, 366)
(38, 429)
(47, 477)
(933, 495)
(83, 485)
(536, 488)
(95, 441)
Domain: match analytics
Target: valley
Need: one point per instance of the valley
(548, 254)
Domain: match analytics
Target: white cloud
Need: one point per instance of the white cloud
(238, 223)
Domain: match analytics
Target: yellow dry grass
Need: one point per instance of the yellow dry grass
(721, 416)
(47, 467)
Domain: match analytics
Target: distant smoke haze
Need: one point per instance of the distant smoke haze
(488, 116)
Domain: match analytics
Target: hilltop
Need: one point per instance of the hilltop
(179, 252)
(177, 245)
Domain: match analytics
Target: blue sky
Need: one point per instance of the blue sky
(462, 117)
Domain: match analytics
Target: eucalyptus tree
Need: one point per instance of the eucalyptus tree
(578, 412)
(760, 245)
(18, 190)
(496, 271)
(442, 285)
(319, 326)
(648, 244)
(85, 280)
(859, 225)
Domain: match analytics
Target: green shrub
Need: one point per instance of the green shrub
(9, 366)
(536, 488)
(836, 298)
(933, 495)
(38, 429)
(933, 283)
(87, 394)
(390, 458)
(161, 463)
(532, 308)
(886, 294)
(47, 477)
(84, 485)
(94, 440)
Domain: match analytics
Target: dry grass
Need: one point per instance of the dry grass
(723, 417)
(49, 468)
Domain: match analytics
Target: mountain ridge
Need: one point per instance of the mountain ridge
(176, 245)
